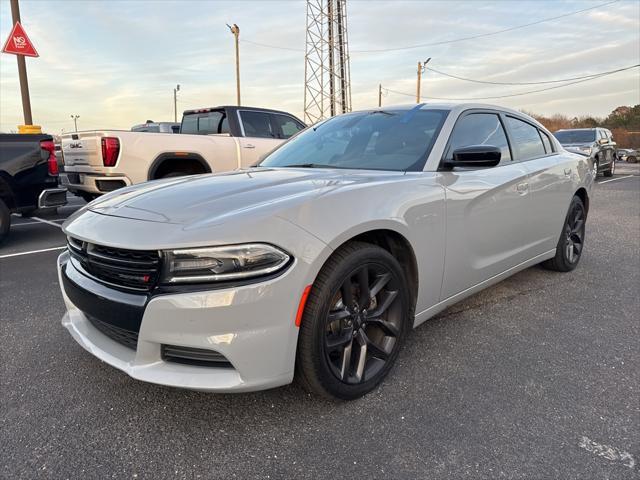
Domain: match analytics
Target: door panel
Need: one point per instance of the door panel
(252, 149)
(550, 184)
(487, 229)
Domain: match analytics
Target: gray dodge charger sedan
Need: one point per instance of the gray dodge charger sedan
(317, 263)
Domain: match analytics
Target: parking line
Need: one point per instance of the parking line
(47, 222)
(32, 251)
(24, 223)
(614, 179)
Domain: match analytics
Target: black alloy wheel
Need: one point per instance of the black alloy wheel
(571, 243)
(363, 326)
(354, 323)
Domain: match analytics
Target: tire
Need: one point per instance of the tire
(596, 166)
(329, 358)
(5, 221)
(175, 174)
(571, 243)
(611, 170)
(632, 159)
(87, 197)
(28, 212)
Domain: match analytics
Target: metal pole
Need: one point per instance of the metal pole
(419, 80)
(175, 106)
(379, 95)
(22, 71)
(236, 33)
(75, 121)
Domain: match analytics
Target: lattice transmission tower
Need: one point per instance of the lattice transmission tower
(327, 77)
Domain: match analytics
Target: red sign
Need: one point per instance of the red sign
(18, 43)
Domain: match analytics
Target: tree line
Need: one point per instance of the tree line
(624, 123)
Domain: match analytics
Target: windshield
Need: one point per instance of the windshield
(397, 140)
(576, 136)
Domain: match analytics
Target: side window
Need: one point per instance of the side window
(546, 141)
(479, 129)
(224, 126)
(257, 124)
(286, 126)
(526, 139)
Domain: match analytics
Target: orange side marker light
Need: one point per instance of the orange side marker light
(303, 302)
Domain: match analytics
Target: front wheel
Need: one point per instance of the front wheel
(354, 323)
(632, 159)
(5, 221)
(611, 170)
(571, 242)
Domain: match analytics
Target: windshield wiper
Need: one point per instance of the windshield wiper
(308, 165)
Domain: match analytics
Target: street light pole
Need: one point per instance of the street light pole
(379, 95)
(75, 121)
(175, 103)
(421, 68)
(22, 71)
(235, 29)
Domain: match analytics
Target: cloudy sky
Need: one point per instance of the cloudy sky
(115, 63)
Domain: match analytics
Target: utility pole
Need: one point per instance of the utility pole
(22, 71)
(379, 95)
(175, 102)
(235, 29)
(421, 68)
(75, 121)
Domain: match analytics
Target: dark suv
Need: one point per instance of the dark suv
(596, 143)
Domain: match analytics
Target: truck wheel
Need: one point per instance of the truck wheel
(5, 221)
(175, 174)
(610, 171)
(87, 197)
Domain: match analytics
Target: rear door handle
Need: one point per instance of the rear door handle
(567, 171)
(522, 188)
(249, 146)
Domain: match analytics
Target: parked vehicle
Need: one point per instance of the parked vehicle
(320, 259)
(157, 127)
(628, 155)
(595, 143)
(212, 140)
(28, 176)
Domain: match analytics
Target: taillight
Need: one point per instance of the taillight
(52, 162)
(110, 151)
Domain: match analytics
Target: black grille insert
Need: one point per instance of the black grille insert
(194, 356)
(127, 269)
(123, 336)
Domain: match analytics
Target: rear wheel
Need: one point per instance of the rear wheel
(571, 242)
(5, 221)
(354, 323)
(174, 174)
(631, 159)
(611, 170)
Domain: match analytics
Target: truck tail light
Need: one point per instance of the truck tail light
(110, 151)
(52, 163)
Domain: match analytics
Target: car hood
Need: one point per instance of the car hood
(215, 198)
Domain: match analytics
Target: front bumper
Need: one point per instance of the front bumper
(253, 326)
(91, 183)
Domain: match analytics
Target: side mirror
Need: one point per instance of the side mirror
(603, 141)
(475, 156)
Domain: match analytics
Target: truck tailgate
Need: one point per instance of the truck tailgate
(82, 149)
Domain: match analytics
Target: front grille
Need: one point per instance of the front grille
(194, 356)
(126, 269)
(123, 336)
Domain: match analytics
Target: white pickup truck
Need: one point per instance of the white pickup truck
(211, 140)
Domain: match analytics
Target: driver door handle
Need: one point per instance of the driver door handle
(249, 145)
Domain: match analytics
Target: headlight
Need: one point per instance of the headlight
(218, 264)
(585, 150)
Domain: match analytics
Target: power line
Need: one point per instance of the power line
(526, 83)
(596, 76)
(444, 42)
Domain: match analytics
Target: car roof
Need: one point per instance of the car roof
(573, 129)
(237, 107)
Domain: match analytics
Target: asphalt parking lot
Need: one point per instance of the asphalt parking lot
(537, 377)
